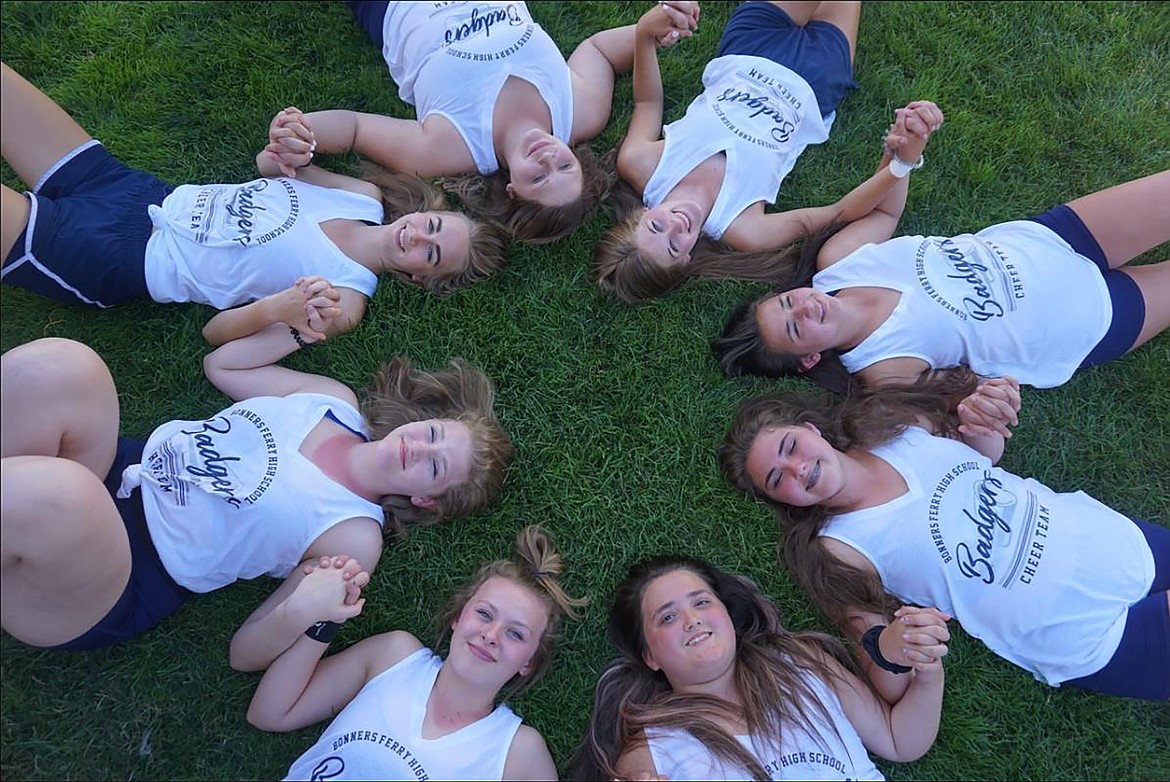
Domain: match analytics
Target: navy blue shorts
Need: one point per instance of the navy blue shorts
(1129, 306)
(819, 51)
(151, 595)
(371, 16)
(87, 231)
(1140, 668)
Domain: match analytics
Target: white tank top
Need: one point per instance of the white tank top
(379, 734)
(835, 752)
(1044, 579)
(227, 245)
(452, 59)
(757, 112)
(232, 497)
(1013, 299)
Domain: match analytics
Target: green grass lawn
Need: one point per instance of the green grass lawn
(616, 411)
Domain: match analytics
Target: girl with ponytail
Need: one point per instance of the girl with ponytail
(406, 712)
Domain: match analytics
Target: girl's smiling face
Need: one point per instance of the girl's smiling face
(498, 632)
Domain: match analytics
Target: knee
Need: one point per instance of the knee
(52, 362)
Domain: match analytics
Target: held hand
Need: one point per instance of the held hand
(309, 306)
(670, 21)
(917, 637)
(330, 592)
(290, 141)
(991, 408)
(912, 128)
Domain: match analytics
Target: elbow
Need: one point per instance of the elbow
(211, 368)
(261, 719)
(239, 660)
(213, 338)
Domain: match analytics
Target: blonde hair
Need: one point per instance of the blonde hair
(536, 565)
(402, 394)
(404, 194)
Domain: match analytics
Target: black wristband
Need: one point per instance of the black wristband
(869, 642)
(296, 335)
(323, 631)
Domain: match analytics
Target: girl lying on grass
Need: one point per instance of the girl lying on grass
(1036, 299)
(404, 712)
(494, 100)
(710, 685)
(698, 186)
(96, 232)
(883, 494)
(292, 471)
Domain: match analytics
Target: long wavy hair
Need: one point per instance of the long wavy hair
(857, 422)
(529, 221)
(536, 565)
(769, 663)
(740, 348)
(402, 394)
(623, 270)
(404, 194)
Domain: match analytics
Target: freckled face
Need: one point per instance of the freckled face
(423, 244)
(498, 631)
(425, 458)
(688, 632)
(548, 172)
(795, 465)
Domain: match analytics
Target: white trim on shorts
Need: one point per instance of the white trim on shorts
(53, 169)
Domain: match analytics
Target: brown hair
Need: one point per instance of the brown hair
(404, 194)
(622, 268)
(529, 221)
(860, 421)
(769, 661)
(740, 349)
(536, 565)
(401, 394)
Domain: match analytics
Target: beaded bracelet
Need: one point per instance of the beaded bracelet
(296, 335)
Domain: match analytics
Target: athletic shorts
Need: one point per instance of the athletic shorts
(1129, 307)
(371, 16)
(819, 51)
(1140, 668)
(151, 595)
(88, 226)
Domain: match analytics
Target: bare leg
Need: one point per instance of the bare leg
(845, 16)
(1154, 281)
(799, 11)
(57, 398)
(64, 553)
(14, 212)
(1128, 219)
(34, 131)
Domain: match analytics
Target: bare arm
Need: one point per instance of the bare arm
(902, 730)
(307, 305)
(431, 148)
(246, 367)
(300, 688)
(600, 57)
(277, 623)
(908, 137)
(528, 757)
